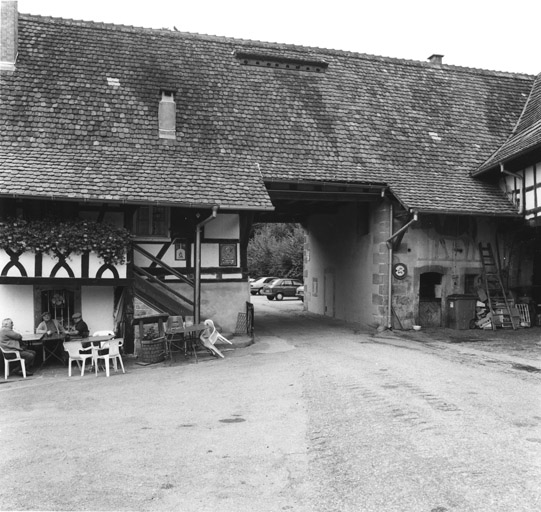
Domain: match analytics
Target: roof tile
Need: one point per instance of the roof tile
(412, 126)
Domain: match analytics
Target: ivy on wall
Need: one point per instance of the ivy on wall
(54, 237)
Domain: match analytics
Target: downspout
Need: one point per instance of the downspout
(197, 287)
(390, 246)
(390, 287)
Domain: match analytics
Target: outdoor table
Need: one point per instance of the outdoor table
(32, 339)
(50, 347)
(190, 335)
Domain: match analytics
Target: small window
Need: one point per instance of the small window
(152, 222)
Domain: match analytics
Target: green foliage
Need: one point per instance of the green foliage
(53, 236)
(276, 250)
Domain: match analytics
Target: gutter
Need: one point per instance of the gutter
(131, 202)
(197, 287)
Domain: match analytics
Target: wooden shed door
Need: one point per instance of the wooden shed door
(430, 313)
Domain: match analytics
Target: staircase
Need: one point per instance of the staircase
(501, 308)
(156, 293)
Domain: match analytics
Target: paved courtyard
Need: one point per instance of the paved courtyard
(316, 415)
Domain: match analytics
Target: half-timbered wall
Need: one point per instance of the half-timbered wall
(220, 250)
(523, 188)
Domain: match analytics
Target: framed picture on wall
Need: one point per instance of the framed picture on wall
(180, 251)
(228, 255)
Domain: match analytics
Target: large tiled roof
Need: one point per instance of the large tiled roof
(526, 135)
(82, 106)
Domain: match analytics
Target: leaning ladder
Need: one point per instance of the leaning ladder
(496, 293)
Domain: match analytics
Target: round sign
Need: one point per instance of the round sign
(400, 271)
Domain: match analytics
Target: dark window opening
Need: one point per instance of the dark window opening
(252, 59)
(151, 221)
(430, 286)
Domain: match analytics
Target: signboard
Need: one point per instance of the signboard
(228, 255)
(400, 270)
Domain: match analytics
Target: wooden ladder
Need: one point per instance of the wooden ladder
(494, 288)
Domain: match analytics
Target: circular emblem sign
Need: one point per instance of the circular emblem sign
(400, 271)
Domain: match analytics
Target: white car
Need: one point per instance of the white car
(257, 285)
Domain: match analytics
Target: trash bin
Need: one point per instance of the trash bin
(460, 311)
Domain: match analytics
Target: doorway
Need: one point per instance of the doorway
(430, 314)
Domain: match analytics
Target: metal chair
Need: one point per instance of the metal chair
(17, 358)
(77, 353)
(175, 340)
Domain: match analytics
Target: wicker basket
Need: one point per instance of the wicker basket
(153, 351)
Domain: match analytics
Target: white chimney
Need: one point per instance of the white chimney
(167, 115)
(8, 34)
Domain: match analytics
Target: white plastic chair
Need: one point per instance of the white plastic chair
(209, 337)
(103, 333)
(215, 336)
(78, 354)
(113, 352)
(12, 360)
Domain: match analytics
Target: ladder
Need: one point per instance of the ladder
(496, 293)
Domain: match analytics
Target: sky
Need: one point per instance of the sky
(486, 34)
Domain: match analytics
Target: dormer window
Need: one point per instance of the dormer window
(167, 115)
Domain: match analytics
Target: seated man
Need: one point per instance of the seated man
(55, 331)
(50, 326)
(79, 326)
(11, 340)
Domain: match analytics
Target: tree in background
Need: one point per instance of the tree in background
(276, 250)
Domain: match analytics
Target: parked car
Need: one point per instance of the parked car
(280, 288)
(257, 284)
(300, 293)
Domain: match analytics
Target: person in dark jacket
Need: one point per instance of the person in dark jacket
(80, 328)
(11, 340)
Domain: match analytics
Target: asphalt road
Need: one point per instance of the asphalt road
(315, 416)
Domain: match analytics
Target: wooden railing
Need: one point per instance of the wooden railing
(158, 282)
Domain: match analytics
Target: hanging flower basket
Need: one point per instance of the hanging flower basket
(62, 238)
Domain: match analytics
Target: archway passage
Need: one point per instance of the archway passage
(342, 277)
(430, 311)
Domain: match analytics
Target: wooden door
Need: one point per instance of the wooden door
(328, 286)
(430, 313)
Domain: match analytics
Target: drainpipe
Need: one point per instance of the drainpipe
(390, 287)
(390, 246)
(197, 288)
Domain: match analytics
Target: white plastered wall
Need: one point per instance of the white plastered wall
(97, 304)
(17, 303)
